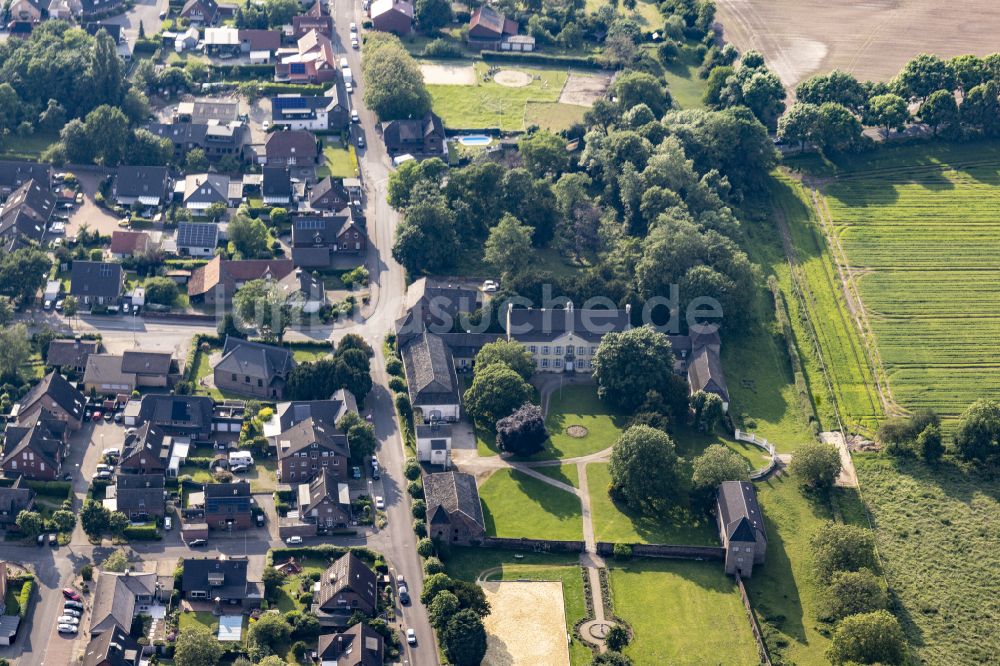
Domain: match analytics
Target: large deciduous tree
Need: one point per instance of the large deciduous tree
(816, 465)
(432, 15)
(839, 547)
(262, 303)
(496, 392)
(508, 246)
(426, 241)
(522, 433)
(940, 111)
(888, 111)
(464, 639)
(197, 647)
(868, 638)
(630, 364)
(922, 76)
(511, 352)
(978, 433)
(248, 236)
(645, 469)
(838, 87)
(394, 86)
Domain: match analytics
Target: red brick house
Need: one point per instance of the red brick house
(395, 16)
(57, 397)
(35, 449)
(309, 448)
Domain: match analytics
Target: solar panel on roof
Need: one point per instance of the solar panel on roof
(196, 233)
(298, 68)
(282, 103)
(310, 224)
(179, 411)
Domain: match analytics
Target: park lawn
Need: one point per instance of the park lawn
(682, 613)
(516, 505)
(687, 89)
(578, 404)
(621, 524)
(937, 536)
(567, 474)
(553, 116)
(489, 104)
(338, 162)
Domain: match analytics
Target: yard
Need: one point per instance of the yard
(337, 161)
(567, 474)
(578, 405)
(682, 613)
(292, 587)
(491, 104)
(28, 147)
(686, 88)
(553, 116)
(188, 621)
(517, 505)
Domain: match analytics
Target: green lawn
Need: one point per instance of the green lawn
(517, 505)
(686, 88)
(309, 355)
(26, 147)
(646, 13)
(578, 404)
(567, 474)
(198, 619)
(197, 474)
(263, 476)
(619, 523)
(338, 162)
(553, 116)
(489, 104)
(682, 613)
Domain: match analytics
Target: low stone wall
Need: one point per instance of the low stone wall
(664, 550)
(535, 545)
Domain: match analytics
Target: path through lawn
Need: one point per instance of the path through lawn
(517, 505)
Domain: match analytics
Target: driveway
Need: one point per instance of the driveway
(89, 213)
(146, 12)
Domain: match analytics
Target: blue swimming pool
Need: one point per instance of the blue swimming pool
(475, 140)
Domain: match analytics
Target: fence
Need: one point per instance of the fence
(754, 627)
(665, 550)
(763, 444)
(534, 545)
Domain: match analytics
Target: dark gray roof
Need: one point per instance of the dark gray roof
(13, 173)
(181, 411)
(15, 499)
(115, 599)
(147, 363)
(27, 210)
(233, 572)
(322, 487)
(277, 182)
(203, 135)
(328, 411)
(112, 648)
(62, 393)
(705, 372)
(542, 325)
(467, 345)
(254, 359)
(113, 29)
(140, 492)
(9, 625)
(148, 438)
(306, 433)
(302, 107)
(292, 143)
(328, 186)
(71, 353)
(141, 181)
(454, 492)
(430, 371)
(96, 279)
(405, 132)
(42, 436)
(348, 573)
(425, 431)
(739, 512)
(319, 231)
(197, 234)
(359, 645)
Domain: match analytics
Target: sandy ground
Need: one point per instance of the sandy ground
(449, 75)
(527, 625)
(584, 89)
(512, 78)
(872, 39)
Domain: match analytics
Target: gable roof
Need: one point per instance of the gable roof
(14, 499)
(179, 411)
(453, 493)
(348, 573)
(255, 359)
(328, 186)
(489, 18)
(139, 492)
(141, 181)
(27, 211)
(261, 40)
(210, 185)
(740, 513)
(14, 173)
(313, 231)
(106, 369)
(129, 242)
(115, 599)
(231, 273)
(147, 363)
(71, 353)
(149, 439)
(277, 182)
(287, 414)
(112, 648)
(291, 143)
(304, 434)
(62, 393)
(358, 645)
(705, 372)
(380, 7)
(96, 279)
(541, 324)
(232, 570)
(397, 133)
(42, 436)
(430, 371)
(197, 234)
(324, 486)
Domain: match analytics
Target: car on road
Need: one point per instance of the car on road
(266, 125)
(490, 286)
(71, 594)
(68, 628)
(379, 503)
(197, 543)
(404, 595)
(376, 473)
(355, 118)
(59, 305)
(411, 637)
(349, 87)
(168, 523)
(293, 540)
(102, 475)
(354, 28)
(400, 580)
(53, 541)
(101, 467)
(163, 15)
(355, 44)
(361, 141)
(111, 453)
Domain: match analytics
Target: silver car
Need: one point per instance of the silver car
(68, 619)
(68, 628)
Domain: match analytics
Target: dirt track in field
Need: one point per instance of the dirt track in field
(872, 39)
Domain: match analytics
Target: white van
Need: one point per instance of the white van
(399, 159)
(343, 63)
(240, 458)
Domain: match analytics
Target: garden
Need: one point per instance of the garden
(517, 505)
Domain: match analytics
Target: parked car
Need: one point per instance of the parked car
(355, 472)
(71, 612)
(404, 595)
(53, 540)
(108, 415)
(411, 637)
(71, 594)
(102, 475)
(361, 141)
(355, 44)
(376, 474)
(293, 540)
(68, 628)
(355, 118)
(354, 28)
(112, 453)
(104, 468)
(168, 523)
(40, 540)
(59, 305)
(379, 503)
(72, 605)
(349, 87)
(47, 305)
(400, 580)
(490, 286)
(68, 619)
(97, 415)
(196, 543)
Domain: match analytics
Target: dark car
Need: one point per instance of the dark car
(73, 605)
(404, 595)
(197, 543)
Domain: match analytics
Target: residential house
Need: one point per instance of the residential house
(225, 578)
(358, 645)
(34, 448)
(259, 41)
(347, 586)
(741, 527)
(119, 597)
(26, 214)
(276, 186)
(70, 355)
(97, 283)
(203, 12)
(304, 291)
(93, 9)
(129, 243)
(208, 111)
(176, 415)
(24, 11)
(223, 506)
(465, 346)
(330, 111)
(325, 501)
(433, 443)
(13, 500)
(312, 61)
(203, 190)
(218, 280)
(112, 648)
(146, 451)
(188, 39)
(418, 136)
(315, 19)
(317, 240)
(64, 10)
(291, 148)
(152, 369)
(288, 414)
(138, 496)
(253, 369)
(698, 357)
(113, 29)
(197, 239)
(309, 448)
(146, 185)
(395, 16)
(454, 513)
(564, 340)
(104, 376)
(431, 379)
(491, 30)
(329, 195)
(56, 397)
(222, 42)
(216, 139)
(435, 305)
(14, 174)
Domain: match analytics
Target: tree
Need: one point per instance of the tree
(511, 352)
(981, 108)
(280, 12)
(30, 523)
(544, 154)
(147, 149)
(313, 381)
(929, 444)
(197, 647)
(109, 134)
(868, 638)
(6, 311)
(816, 465)
(394, 86)
(426, 240)
(70, 307)
(279, 216)
(195, 161)
(161, 290)
(645, 468)
(838, 87)
(496, 391)
(116, 562)
(107, 71)
(74, 138)
(441, 608)
(970, 71)
(617, 638)
(799, 125)
(136, 105)
(887, 111)
(15, 350)
(432, 15)
(508, 248)
(718, 463)
(272, 579)
(922, 76)
(611, 658)
(708, 409)
(764, 95)
(522, 433)
(63, 520)
(630, 364)
(464, 639)
(633, 88)
(354, 341)
(23, 273)
(978, 433)
(249, 236)
(94, 517)
(433, 585)
(838, 129)
(262, 303)
(270, 631)
(360, 436)
(940, 110)
(850, 593)
(53, 117)
(117, 522)
(840, 547)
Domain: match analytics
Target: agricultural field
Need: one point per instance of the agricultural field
(937, 535)
(518, 505)
(872, 40)
(682, 613)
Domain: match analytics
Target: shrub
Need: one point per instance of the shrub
(416, 489)
(306, 599)
(411, 469)
(433, 565)
(87, 572)
(397, 384)
(420, 528)
(419, 509)
(838, 547)
(394, 367)
(24, 597)
(617, 638)
(816, 465)
(522, 433)
(622, 551)
(442, 48)
(868, 638)
(425, 547)
(142, 533)
(852, 592)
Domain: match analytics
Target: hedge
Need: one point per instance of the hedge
(60, 489)
(326, 550)
(274, 88)
(146, 46)
(142, 533)
(24, 597)
(243, 72)
(590, 62)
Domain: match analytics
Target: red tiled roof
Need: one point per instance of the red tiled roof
(129, 242)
